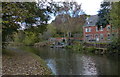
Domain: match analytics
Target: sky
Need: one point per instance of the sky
(90, 7)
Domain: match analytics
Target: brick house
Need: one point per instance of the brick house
(92, 33)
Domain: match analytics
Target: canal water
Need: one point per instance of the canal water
(64, 62)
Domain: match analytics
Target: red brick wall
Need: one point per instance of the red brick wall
(94, 32)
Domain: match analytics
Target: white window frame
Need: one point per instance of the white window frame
(89, 29)
(101, 28)
(85, 29)
(102, 35)
(96, 29)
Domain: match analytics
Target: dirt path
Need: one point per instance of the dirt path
(23, 63)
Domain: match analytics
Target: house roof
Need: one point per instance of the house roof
(91, 21)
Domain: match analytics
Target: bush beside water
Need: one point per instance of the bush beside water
(114, 46)
(81, 48)
(91, 49)
(78, 47)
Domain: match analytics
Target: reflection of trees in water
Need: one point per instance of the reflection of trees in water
(61, 59)
(106, 66)
(64, 62)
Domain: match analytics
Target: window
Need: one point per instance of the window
(108, 28)
(89, 29)
(87, 37)
(101, 36)
(88, 22)
(91, 36)
(85, 29)
(101, 28)
(96, 28)
(96, 37)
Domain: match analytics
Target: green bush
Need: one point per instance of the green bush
(114, 45)
(91, 49)
(77, 47)
(30, 38)
(69, 46)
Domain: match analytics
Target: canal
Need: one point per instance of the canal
(64, 62)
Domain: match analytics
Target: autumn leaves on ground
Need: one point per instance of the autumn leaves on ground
(18, 62)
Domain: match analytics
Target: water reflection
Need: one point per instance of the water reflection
(64, 62)
(52, 65)
(89, 66)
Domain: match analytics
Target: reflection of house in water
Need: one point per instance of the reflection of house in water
(58, 41)
(64, 40)
(92, 33)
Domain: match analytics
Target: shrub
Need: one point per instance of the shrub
(30, 38)
(77, 47)
(114, 46)
(90, 49)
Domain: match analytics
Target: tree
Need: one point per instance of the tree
(51, 29)
(67, 23)
(30, 13)
(115, 15)
(104, 15)
(30, 38)
(10, 17)
(19, 36)
(115, 22)
(69, 19)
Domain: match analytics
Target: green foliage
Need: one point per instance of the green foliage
(115, 22)
(51, 29)
(19, 36)
(98, 43)
(114, 46)
(13, 12)
(77, 47)
(28, 12)
(69, 46)
(90, 49)
(30, 38)
(104, 15)
(115, 15)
